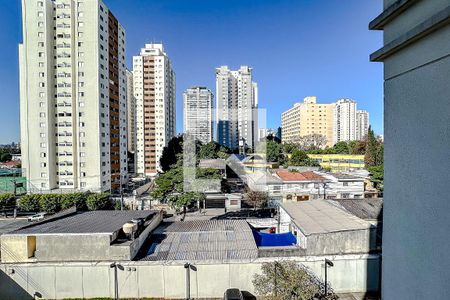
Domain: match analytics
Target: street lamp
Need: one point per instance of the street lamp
(114, 266)
(188, 268)
(328, 263)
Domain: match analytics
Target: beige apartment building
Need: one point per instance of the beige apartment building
(154, 92)
(307, 118)
(72, 96)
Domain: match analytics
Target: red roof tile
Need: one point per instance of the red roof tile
(299, 176)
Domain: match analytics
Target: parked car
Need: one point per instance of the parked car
(36, 217)
(233, 294)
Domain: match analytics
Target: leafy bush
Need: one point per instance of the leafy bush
(75, 199)
(50, 203)
(30, 203)
(99, 201)
(7, 200)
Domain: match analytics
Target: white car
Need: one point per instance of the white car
(36, 217)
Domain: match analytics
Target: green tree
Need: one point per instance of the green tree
(171, 153)
(256, 198)
(74, 199)
(208, 151)
(282, 280)
(7, 201)
(50, 203)
(370, 157)
(357, 147)
(100, 201)
(30, 203)
(186, 199)
(6, 156)
(289, 148)
(298, 158)
(341, 148)
(274, 152)
(377, 177)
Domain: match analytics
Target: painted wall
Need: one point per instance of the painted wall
(417, 161)
(351, 273)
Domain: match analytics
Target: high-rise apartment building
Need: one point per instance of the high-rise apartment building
(236, 103)
(131, 113)
(362, 124)
(344, 121)
(308, 118)
(198, 113)
(72, 96)
(154, 91)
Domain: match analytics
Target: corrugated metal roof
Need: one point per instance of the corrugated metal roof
(101, 221)
(205, 240)
(367, 209)
(318, 216)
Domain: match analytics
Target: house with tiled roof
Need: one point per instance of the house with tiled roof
(286, 186)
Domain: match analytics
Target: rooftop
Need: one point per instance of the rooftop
(342, 176)
(10, 224)
(299, 176)
(367, 209)
(212, 163)
(101, 221)
(318, 216)
(202, 240)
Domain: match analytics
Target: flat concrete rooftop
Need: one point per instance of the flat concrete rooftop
(318, 216)
(202, 240)
(101, 221)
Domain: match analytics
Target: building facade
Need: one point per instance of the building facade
(236, 103)
(131, 114)
(416, 57)
(308, 118)
(154, 91)
(344, 129)
(198, 113)
(362, 124)
(72, 96)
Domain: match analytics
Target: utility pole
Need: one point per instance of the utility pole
(327, 263)
(121, 192)
(188, 268)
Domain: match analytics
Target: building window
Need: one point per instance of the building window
(40, 24)
(43, 175)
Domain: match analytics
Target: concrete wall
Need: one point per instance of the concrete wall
(417, 161)
(342, 242)
(352, 241)
(153, 279)
(14, 248)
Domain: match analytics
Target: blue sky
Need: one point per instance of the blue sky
(297, 48)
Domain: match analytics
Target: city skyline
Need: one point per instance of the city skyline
(340, 72)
